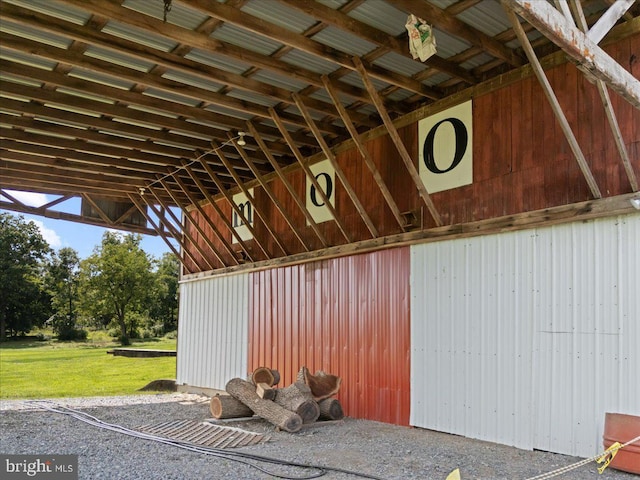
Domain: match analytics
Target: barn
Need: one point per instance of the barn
(436, 200)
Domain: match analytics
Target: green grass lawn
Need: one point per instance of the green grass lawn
(31, 369)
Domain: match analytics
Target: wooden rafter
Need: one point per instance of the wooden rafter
(397, 141)
(555, 105)
(157, 228)
(184, 233)
(551, 23)
(190, 217)
(256, 207)
(608, 107)
(312, 178)
(286, 183)
(194, 201)
(336, 166)
(233, 205)
(346, 119)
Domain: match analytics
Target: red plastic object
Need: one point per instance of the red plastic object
(619, 427)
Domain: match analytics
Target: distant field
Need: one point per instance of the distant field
(33, 369)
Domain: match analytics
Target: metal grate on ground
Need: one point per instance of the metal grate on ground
(204, 433)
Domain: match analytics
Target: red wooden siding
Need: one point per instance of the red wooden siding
(521, 162)
(347, 316)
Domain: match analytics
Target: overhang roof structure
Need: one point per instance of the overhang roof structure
(147, 103)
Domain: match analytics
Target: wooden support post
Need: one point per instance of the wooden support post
(314, 226)
(397, 141)
(256, 208)
(184, 231)
(346, 118)
(217, 209)
(194, 201)
(310, 175)
(189, 216)
(336, 166)
(553, 100)
(233, 205)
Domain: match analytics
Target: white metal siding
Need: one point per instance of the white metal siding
(212, 331)
(527, 338)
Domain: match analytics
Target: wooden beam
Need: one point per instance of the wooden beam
(363, 30)
(555, 105)
(105, 218)
(577, 212)
(256, 208)
(190, 217)
(184, 233)
(160, 82)
(159, 230)
(110, 95)
(265, 185)
(336, 166)
(553, 25)
(70, 217)
(218, 210)
(259, 26)
(208, 221)
(232, 204)
(397, 141)
(312, 178)
(608, 107)
(368, 160)
(113, 10)
(609, 19)
(176, 234)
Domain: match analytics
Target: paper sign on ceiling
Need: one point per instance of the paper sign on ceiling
(445, 145)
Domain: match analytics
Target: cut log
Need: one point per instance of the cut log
(265, 391)
(270, 411)
(297, 397)
(330, 409)
(323, 385)
(225, 406)
(265, 375)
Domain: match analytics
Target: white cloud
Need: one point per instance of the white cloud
(52, 238)
(29, 198)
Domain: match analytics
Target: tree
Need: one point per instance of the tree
(23, 302)
(61, 280)
(119, 271)
(164, 304)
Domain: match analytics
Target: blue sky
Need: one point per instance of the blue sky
(79, 236)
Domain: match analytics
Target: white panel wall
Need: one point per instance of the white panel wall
(527, 338)
(213, 331)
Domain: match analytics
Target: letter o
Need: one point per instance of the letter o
(328, 189)
(462, 138)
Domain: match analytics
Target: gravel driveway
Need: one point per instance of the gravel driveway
(377, 449)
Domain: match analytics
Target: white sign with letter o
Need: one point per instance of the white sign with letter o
(445, 145)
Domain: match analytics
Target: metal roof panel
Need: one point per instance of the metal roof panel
(119, 58)
(344, 41)
(245, 39)
(275, 12)
(54, 9)
(398, 63)
(381, 15)
(217, 61)
(143, 37)
(180, 14)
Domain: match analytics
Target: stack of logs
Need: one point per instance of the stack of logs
(305, 401)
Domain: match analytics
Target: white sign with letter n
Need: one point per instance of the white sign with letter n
(244, 205)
